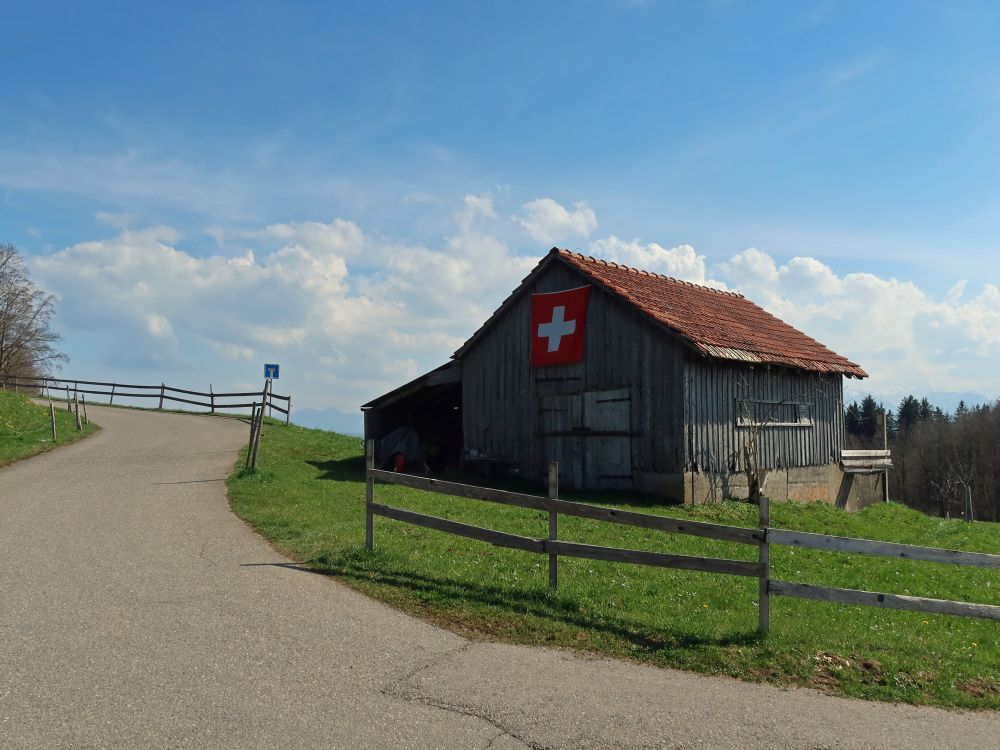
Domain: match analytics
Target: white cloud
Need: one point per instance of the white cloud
(118, 221)
(905, 338)
(681, 262)
(550, 222)
(353, 316)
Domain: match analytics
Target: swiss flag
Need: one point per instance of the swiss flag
(557, 326)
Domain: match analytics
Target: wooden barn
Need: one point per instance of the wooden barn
(631, 381)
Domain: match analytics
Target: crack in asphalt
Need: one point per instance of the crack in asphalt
(411, 694)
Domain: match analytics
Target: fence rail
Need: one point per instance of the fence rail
(217, 401)
(552, 546)
(763, 537)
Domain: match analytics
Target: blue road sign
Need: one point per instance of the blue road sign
(271, 371)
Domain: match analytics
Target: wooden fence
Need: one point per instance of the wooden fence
(763, 537)
(215, 402)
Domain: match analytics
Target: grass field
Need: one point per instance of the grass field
(26, 428)
(307, 497)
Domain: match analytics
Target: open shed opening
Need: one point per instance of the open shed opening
(418, 427)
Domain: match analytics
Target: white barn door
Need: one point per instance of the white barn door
(608, 417)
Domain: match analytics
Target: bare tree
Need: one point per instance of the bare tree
(27, 341)
(953, 483)
(754, 421)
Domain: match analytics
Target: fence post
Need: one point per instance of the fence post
(69, 403)
(369, 494)
(553, 523)
(162, 389)
(78, 425)
(83, 400)
(112, 399)
(260, 429)
(288, 414)
(52, 416)
(212, 394)
(253, 429)
(764, 596)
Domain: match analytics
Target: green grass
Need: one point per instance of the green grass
(26, 428)
(307, 498)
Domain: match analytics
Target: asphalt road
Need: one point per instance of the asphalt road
(136, 611)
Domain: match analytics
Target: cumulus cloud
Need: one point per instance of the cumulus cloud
(354, 315)
(550, 222)
(908, 340)
(681, 262)
(351, 314)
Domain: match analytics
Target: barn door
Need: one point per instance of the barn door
(561, 419)
(608, 416)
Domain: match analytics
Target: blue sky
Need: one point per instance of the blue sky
(393, 151)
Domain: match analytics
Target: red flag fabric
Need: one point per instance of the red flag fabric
(558, 322)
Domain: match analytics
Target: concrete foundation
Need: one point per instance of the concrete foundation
(807, 484)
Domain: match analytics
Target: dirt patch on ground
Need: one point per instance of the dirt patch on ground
(980, 687)
(829, 669)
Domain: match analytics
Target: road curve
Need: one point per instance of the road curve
(137, 611)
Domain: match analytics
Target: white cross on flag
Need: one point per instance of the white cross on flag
(557, 326)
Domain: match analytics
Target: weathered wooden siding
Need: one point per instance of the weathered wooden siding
(507, 405)
(713, 440)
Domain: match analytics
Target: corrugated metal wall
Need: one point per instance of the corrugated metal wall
(713, 439)
(503, 396)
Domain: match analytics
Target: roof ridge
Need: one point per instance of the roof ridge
(643, 272)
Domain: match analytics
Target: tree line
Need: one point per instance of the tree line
(939, 458)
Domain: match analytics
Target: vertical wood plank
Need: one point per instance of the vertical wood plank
(52, 416)
(162, 390)
(211, 393)
(553, 523)
(369, 494)
(112, 399)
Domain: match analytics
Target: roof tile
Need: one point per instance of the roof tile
(720, 324)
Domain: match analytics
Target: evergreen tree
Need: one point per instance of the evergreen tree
(908, 415)
(926, 411)
(852, 419)
(870, 417)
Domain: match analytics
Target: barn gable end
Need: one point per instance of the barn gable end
(618, 411)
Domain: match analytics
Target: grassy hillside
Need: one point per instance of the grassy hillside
(308, 499)
(26, 428)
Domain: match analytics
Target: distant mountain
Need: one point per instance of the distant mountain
(948, 400)
(333, 419)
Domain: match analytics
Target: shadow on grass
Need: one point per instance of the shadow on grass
(447, 595)
(353, 470)
(342, 470)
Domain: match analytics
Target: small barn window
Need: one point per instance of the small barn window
(763, 413)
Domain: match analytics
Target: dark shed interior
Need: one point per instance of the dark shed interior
(430, 406)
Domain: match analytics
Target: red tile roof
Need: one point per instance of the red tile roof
(719, 324)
